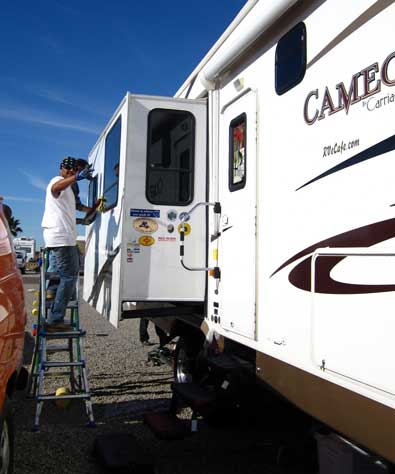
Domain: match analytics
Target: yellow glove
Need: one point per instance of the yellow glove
(101, 204)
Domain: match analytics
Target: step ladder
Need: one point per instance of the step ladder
(46, 362)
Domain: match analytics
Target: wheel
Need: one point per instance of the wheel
(185, 360)
(6, 439)
(23, 271)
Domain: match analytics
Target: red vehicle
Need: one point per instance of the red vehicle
(12, 326)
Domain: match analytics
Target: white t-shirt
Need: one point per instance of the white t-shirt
(58, 222)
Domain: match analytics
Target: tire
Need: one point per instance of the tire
(6, 439)
(185, 360)
(23, 271)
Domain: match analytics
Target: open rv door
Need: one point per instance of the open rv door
(165, 176)
(237, 195)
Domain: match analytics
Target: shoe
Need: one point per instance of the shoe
(58, 327)
(50, 294)
(146, 343)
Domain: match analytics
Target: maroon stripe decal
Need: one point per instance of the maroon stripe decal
(365, 236)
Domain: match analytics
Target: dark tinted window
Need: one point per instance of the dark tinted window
(111, 165)
(291, 59)
(92, 191)
(237, 152)
(170, 157)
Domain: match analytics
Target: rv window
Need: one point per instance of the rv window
(237, 152)
(170, 157)
(92, 192)
(291, 59)
(111, 165)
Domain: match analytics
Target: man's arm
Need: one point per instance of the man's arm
(81, 207)
(62, 184)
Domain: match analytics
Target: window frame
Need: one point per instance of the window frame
(232, 125)
(300, 77)
(114, 204)
(192, 159)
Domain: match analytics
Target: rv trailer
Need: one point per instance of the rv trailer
(289, 232)
(27, 245)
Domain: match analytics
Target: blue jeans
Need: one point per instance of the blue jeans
(51, 269)
(67, 266)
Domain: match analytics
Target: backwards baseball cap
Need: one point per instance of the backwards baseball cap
(69, 163)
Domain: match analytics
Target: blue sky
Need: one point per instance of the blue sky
(66, 65)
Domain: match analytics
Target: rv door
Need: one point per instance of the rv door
(165, 176)
(237, 195)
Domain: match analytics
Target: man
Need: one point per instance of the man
(59, 229)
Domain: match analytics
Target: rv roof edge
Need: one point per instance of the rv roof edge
(233, 25)
(259, 23)
(255, 25)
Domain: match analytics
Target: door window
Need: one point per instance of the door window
(237, 152)
(170, 157)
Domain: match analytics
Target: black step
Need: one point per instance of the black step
(121, 453)
(196, 396)
(223, 362)
(167, 426)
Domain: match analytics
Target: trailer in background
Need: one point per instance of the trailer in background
(27, 245)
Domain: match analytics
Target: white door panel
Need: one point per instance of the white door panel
(237, 195)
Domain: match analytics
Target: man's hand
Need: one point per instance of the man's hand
(86, 173)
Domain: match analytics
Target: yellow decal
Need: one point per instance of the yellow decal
(145, 225)
(215, 254)
(146, 240)
(187, 228)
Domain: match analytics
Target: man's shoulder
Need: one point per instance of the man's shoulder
(55, 179)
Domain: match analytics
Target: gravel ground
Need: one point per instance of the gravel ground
(125, 386)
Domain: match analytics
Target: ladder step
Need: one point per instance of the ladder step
(53, 349)
(63, 334)
(42, 398)
(73, 304)
(57, 374)
(63, 364)
(52, 276)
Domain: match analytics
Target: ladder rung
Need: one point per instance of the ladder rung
(56, 374)
(70, 305)
(63, 364)
(62, 397)
(63, 334)
(52, 349)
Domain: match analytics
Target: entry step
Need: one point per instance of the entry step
(120, 452)
(223, 362)
(167, 426)
(196, 396)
